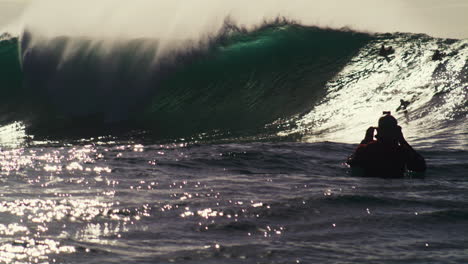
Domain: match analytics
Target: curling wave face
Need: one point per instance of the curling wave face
(280, 79)
(239, 80)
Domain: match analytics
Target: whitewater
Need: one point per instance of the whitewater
(139, 141)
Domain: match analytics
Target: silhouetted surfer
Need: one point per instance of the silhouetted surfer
(384, 52)
(437, 55)
(389, 155)
(403, 105)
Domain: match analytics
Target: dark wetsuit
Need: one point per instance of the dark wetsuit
(403, 105)
(438, 55)
(390, 161)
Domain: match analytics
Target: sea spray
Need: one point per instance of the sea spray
(242, 80)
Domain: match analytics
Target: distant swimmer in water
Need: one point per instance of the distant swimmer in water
(437, 55)
(403, 105)
(388, 155)
(386, 51)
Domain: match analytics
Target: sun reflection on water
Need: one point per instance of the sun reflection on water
(60, 201)
(43, 194)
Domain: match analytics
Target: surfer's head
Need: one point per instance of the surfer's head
(388, 127)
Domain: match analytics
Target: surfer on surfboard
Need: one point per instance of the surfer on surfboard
(403, 105)
(437, 55)
(386, 51)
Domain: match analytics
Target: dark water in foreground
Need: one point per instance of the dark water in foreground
(111, 202)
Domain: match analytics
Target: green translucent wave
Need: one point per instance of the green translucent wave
(242, 80)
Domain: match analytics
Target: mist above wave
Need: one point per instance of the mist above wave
(196, 19)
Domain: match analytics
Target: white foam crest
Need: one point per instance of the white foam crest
(369, 85)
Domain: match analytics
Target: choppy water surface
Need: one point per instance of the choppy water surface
(103, 201)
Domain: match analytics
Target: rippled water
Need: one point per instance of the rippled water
(104, 201)
(235, 191)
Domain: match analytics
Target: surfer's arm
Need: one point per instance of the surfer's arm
(414, 162)
(357, 159)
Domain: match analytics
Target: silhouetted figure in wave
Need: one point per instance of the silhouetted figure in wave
(438, 55)
(385, 52)
(388, 155)
(403, 105)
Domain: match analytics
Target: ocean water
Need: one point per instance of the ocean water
(230, 152)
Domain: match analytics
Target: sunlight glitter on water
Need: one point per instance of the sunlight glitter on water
(36, 216)
(369, 85)
(31, 250)
(69, 193)
(29, 223)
